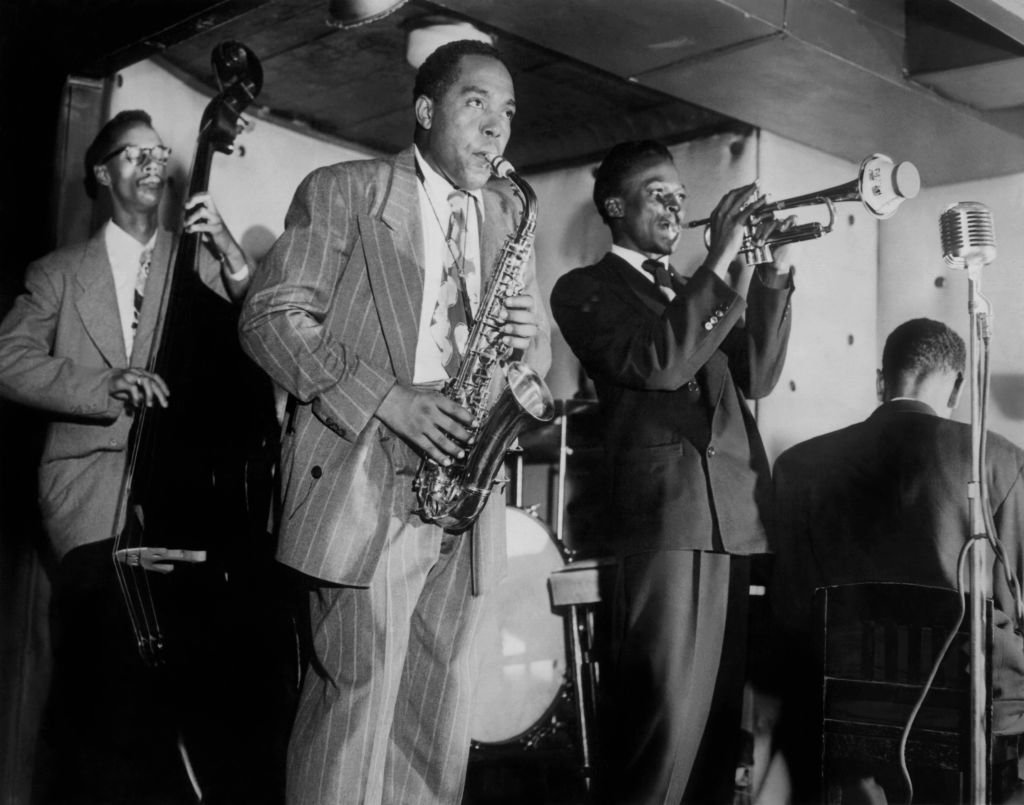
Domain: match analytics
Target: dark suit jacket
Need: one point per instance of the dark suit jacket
(59, 344)
(333, 317)
(886, 500)
(687, 464)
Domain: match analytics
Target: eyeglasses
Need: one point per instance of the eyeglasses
(139, 154)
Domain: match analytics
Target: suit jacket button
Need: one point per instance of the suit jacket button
(708, 325)
(316, 472)
(711, 450)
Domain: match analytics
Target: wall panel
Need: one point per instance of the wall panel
(828, 380)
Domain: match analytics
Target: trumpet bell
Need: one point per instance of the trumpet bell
(883, 185)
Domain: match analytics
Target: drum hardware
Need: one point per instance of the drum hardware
(539, 661)
(576, 591)
(515, 455)
(549, 443)
(521, 679)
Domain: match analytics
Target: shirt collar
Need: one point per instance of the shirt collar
(121, 244)
(438, 187)
(636, 259)
(906, 404)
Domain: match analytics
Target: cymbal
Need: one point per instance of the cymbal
(541, 441)
(541, 444)
(573, 406)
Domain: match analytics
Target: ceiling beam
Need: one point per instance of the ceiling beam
(1006, 16)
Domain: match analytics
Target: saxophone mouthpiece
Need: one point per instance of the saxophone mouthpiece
(500, 166)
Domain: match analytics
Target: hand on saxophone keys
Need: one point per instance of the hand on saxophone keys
(519, 326)
(437, 427)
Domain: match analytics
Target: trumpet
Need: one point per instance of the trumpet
(881, 185)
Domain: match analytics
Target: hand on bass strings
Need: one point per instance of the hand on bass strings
(137, 387)
(429, 421)
(203, 218)
(202, 215)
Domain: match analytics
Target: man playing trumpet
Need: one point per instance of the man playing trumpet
(671, 360)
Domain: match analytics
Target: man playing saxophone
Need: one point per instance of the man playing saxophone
(361, 311)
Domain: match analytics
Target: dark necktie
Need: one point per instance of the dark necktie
(449, 325)
(662, 276)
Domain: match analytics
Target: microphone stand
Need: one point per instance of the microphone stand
(979, 579)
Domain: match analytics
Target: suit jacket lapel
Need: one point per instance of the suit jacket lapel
(715, 371)
(96, 301)
(393, 244)
(646, 295)
(642, 290)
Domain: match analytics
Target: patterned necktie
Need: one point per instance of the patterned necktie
(663, 276)
(449, 325)
(140, 286)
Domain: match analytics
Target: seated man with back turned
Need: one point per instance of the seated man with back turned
(885, 500)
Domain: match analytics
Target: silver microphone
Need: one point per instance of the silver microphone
(968, 238)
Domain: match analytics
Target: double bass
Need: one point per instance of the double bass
(190, 536)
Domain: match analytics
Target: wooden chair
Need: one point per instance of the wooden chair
(878, 643)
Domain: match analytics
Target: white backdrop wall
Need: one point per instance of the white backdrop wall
(914, 281)
(828, 380)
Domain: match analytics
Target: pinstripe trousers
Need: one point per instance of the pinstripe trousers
(384, 712)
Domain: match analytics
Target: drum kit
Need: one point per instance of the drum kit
(536, 671)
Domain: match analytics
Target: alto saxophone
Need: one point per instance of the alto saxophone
(453, 496)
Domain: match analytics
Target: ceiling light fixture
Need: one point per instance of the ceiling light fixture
(352, 13)
(427, 34)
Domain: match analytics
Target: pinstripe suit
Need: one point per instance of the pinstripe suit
(333, 317)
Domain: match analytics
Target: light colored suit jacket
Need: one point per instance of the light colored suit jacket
(333, 317)
(59, 344)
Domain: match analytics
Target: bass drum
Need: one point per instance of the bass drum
(521, 643)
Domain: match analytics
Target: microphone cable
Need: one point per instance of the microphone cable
(940, 657)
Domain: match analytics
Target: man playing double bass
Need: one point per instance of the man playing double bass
(75, 345)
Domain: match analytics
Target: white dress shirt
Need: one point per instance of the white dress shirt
(434, 214)
(636, 259)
